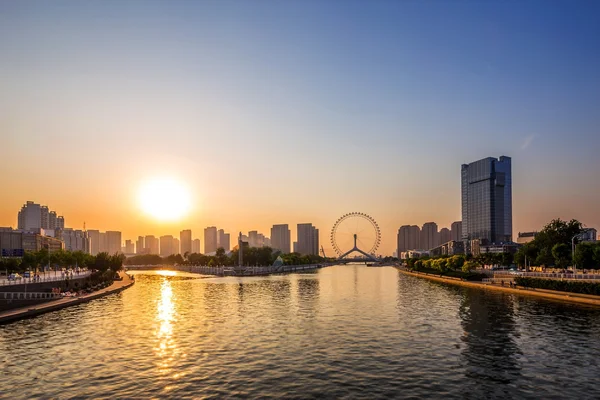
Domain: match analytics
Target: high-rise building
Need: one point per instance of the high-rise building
(429, 236)
(102, 243)
(152, 244)
(185, 241)
(94, 236)
(486, 188)
(445, 236)
(175, 247)
(30, 216)
(113, 242)
(210, 239)
(196, 246)
(408, 238)
(75, 240)
(166, 245)
(280, 238)
(129, 247)
(456, 231)
(308, 239)
(223, 240)
(139, 245)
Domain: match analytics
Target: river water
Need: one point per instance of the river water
(344, 331)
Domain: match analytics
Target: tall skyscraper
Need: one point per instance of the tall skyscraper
(34, 216)
(196, 246)
(113, 242)
(185, 239)
(102, 243)
(166, 245)
(210, 239)
(444, 236)
(139, 245)
(223, 240)
(308, 239)
(408, 238)
(456, 231)
(429, 236)
(486, 188)
(280, 238)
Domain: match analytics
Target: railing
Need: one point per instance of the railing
(29, 296)
(46, 277)
(548, 275)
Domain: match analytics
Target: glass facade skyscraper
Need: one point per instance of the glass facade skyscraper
(487, 200)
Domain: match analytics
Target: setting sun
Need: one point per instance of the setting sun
(164, 199)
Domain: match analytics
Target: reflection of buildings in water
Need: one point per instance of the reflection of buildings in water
(165, 315)
(490, 355)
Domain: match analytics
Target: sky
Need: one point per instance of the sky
(297, 111)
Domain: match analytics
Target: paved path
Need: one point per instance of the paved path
(37, 309)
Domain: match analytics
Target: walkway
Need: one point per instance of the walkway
(37, 309)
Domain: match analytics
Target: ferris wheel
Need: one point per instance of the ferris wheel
(355, 231)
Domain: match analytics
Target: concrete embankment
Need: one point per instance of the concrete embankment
(548, 294)
(32, 311)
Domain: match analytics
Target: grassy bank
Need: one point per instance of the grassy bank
(559, 285)
(468, 276)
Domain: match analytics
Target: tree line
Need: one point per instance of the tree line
(261, 256)
(552, 246)
(38, 260)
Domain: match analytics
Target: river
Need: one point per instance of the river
(345, 331)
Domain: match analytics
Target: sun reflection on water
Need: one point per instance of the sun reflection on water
(166, 348)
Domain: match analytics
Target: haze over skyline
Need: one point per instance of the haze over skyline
(292, 112)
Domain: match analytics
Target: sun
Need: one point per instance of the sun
(165, 199)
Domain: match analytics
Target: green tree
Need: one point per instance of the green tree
(562, 255)
(585, 255)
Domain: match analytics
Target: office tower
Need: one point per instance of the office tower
(456, 231)
(129, 248)
(185, 241)
(60, 222)
(253, 239)
(210, 239)
(113, 242)
(175, 248)
(408, 238)
(151, 244)
(445, 236)
(223, 240)
(280, 238)
(139, 245)
(196, 246)
(44, 217)
(308, 239)
(166, 245)
(486, 188)
(429, 236)
(94, 236)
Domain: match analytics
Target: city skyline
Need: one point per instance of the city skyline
(383, 107)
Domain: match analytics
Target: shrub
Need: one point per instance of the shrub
(560, 285)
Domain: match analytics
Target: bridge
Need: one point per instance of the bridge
(366, 257)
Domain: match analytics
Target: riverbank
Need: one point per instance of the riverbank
(548, 294)
(54, 305)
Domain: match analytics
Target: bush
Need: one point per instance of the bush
(560, 285)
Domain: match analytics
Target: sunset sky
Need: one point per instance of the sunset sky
(297, 111)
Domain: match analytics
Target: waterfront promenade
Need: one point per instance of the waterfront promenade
(32, 311)
(548, 294)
